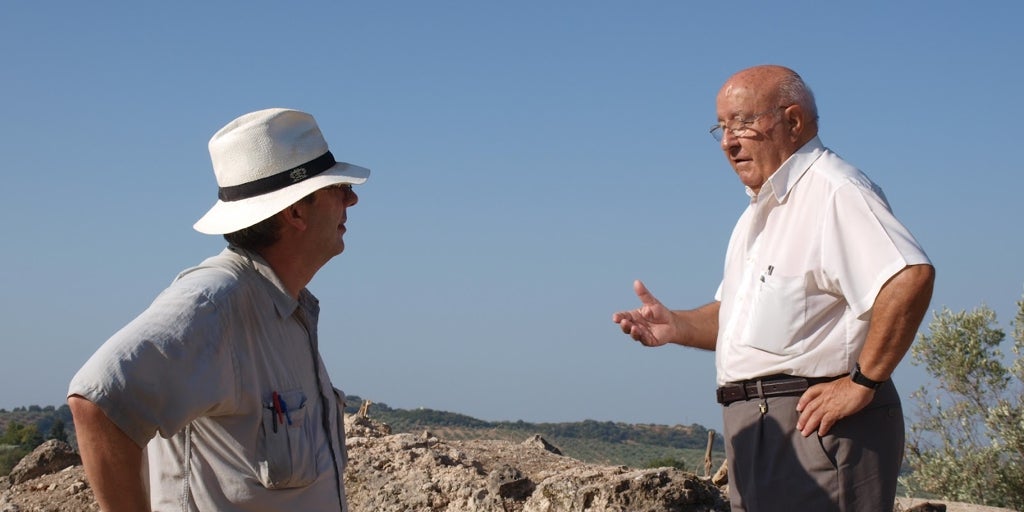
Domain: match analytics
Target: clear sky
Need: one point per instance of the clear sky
(530, 160)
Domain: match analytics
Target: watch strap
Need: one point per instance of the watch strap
(859, 378)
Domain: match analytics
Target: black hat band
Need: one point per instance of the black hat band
(277, 181)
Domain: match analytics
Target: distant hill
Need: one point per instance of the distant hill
(24, 428)
(43, 417)
(598, 442)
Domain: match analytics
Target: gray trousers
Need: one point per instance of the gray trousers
(772, 467)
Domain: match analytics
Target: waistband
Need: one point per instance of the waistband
(772, 385)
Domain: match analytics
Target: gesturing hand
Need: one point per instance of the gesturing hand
(651, 323)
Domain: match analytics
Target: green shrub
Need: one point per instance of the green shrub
(968, 441)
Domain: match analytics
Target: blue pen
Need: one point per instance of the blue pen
(284, 408)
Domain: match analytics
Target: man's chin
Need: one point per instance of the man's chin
(749, 177)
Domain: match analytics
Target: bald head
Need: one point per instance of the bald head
(777, 114)
(778, 85)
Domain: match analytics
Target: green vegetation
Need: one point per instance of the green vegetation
(25, 428)
(968, 444)
(598, 442)
(667, 462)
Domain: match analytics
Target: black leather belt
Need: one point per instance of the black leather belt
(774, 385)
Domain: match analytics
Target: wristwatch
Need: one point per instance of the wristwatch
(859, 378)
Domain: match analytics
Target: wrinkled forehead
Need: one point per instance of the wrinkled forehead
(739, 99)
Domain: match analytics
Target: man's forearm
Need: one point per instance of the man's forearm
(698, 327)
(896, 315)
(113, 462)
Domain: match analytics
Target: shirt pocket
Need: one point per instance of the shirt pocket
(777, 314)
(286, 456)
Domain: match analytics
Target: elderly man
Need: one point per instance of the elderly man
(822, 294)
(215, 397)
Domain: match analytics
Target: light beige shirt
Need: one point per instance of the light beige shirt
(805, 262)
(193, 378)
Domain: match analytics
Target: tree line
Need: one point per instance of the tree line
(25, 428)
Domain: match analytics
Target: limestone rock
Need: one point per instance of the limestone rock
(408, 472)
(540, 442)
(928, 507)
(49, 457)
(422, 472)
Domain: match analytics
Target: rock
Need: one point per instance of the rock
(7, 506)
(509, 483)
(401, 472)
(422, 472)
(905, 504)
(928, 507)
(363, 426)
(49, 457)
(542, 443)
(63, 491)
(617, 489)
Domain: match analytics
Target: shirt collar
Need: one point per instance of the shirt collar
(283, 302)
(784, 179)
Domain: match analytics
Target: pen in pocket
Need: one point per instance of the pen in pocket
(284, 409)
(279, 410)
(275, 409)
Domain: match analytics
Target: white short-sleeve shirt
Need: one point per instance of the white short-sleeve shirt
(804, 264)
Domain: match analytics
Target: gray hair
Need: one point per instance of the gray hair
(793, 90)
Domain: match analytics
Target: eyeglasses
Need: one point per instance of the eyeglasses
(344, 187)
(740, 127)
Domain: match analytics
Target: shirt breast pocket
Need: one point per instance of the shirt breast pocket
(777, 314)
(286, 456)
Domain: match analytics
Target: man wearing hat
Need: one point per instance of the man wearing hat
(216, 397)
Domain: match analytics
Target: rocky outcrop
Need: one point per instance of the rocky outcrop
(407, 472)
(49, 457)
(63, 491)
(421, 472)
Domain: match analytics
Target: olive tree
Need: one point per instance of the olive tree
(967, 441)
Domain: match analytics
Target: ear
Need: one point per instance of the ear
(793, 117)
(295, 217)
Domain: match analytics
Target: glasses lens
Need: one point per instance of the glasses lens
(716, 132)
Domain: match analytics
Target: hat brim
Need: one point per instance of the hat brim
(231, 216)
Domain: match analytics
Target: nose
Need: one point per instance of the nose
(351, 198)
(729, 139)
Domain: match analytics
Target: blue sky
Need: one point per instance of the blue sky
(530, 159)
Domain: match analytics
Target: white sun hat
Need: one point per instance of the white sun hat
(264, 162)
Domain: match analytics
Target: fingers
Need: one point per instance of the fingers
(627, 320)
(645, 296)
(813, 420)
(637, 323)
(639, 288)
(626, 326)
(642, 293)
(808, 407)
(816, 418)
(806, 398)
(635, 329)
(823, 405)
